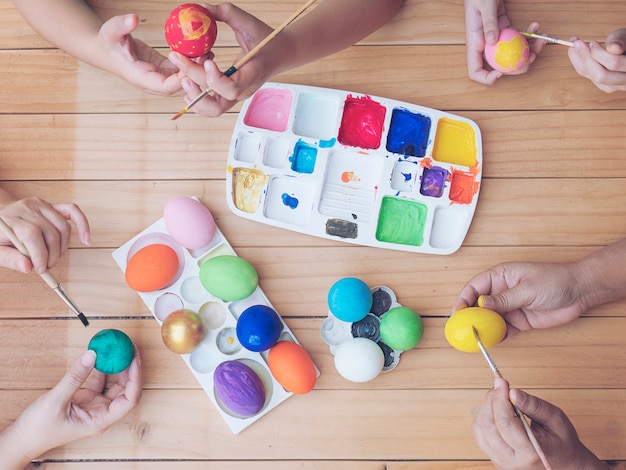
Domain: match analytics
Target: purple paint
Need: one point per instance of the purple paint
(433, 181)
(362, 122)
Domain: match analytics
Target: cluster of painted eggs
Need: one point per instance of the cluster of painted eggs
(361, 357)
(156, 266)
(510, 54)
(191, 30)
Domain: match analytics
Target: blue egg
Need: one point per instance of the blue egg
(258, 328)
(349, 299)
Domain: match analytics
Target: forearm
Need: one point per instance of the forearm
(601, 275)
(329, 28)
(6, 197)
(74, 27)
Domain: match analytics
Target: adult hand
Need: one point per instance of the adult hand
(135, 61)
(483, 21)
(249, 31)
(501, 435)
(68, 412)
(527, 295)
(605, 67)
(44, 229)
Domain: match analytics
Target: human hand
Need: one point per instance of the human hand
(135, 61)
(500, 434)
(605, 67)
(483, 21)
(43, 228)
(527, 295)
(249, 31)
(68, 412)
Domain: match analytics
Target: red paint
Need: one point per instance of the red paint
(463, 187)
(191, 30)
(362, 122)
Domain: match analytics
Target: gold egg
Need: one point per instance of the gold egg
(182, 331)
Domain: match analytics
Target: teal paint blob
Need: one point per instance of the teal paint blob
(304, 157)
(326, 144)
(114, 351)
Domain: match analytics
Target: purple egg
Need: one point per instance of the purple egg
(239, 388)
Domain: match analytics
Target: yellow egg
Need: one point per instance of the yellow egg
(490, 325)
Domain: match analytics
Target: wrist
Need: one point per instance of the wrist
(11, 449)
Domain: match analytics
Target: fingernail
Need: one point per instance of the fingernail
(88, 359)
(498, 383)
(578, 46)
(483, 301)
(174, 59)
(186, 84)
(491, 37)
(129, 20)
(87, 238)
(461, 307)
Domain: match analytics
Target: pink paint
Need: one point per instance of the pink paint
(269, 109)
(362, 122)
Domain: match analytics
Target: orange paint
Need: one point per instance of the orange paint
(463, 187)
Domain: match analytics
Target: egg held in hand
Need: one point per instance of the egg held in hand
(191, 30)
(510, 54)
(114, 351)
(490, 325)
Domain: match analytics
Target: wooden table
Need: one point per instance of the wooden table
(554, 189)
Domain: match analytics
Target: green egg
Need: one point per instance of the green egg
(228, 277)
(114, 351)
(401, 328)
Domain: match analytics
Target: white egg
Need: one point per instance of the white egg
(359, 360)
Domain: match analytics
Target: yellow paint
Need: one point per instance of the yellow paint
(490, 325)
(191, 17)
(455, 143)
(248, 186)
(511, 55)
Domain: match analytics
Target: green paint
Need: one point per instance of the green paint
(401, 221)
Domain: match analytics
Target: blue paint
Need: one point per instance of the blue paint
(289, 201)
(326, 144)
(408, 133)
(407, 176)
(304, 157)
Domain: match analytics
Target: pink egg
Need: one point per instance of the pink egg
(189, 222)
(510, 54)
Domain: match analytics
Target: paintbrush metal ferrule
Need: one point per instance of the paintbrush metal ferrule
(549, 39)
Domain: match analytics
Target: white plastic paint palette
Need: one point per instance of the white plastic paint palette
(221, 343)
(355, 168)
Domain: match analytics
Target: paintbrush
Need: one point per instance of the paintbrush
(518, 413)
(46, 276)
(549, 39)
(237, 65)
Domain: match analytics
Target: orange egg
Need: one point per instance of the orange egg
(292, 367)
(152, 268)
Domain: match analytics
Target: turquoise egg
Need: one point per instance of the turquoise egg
(349, 299)
(401, 328)
(228, 277)
(114, 351)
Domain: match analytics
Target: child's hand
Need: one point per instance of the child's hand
(606, 68)
(138, 63)
(68, 412)
(249, 31)
(483, 21)
(501, 435)
(44, 229)
(527, 295)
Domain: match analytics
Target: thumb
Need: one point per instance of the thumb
(119, 26)
(505, 301)
(75, 377)
(13, 259)
(616, 42)
(489, 14)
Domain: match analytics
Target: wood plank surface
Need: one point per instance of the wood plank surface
(553, 189)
